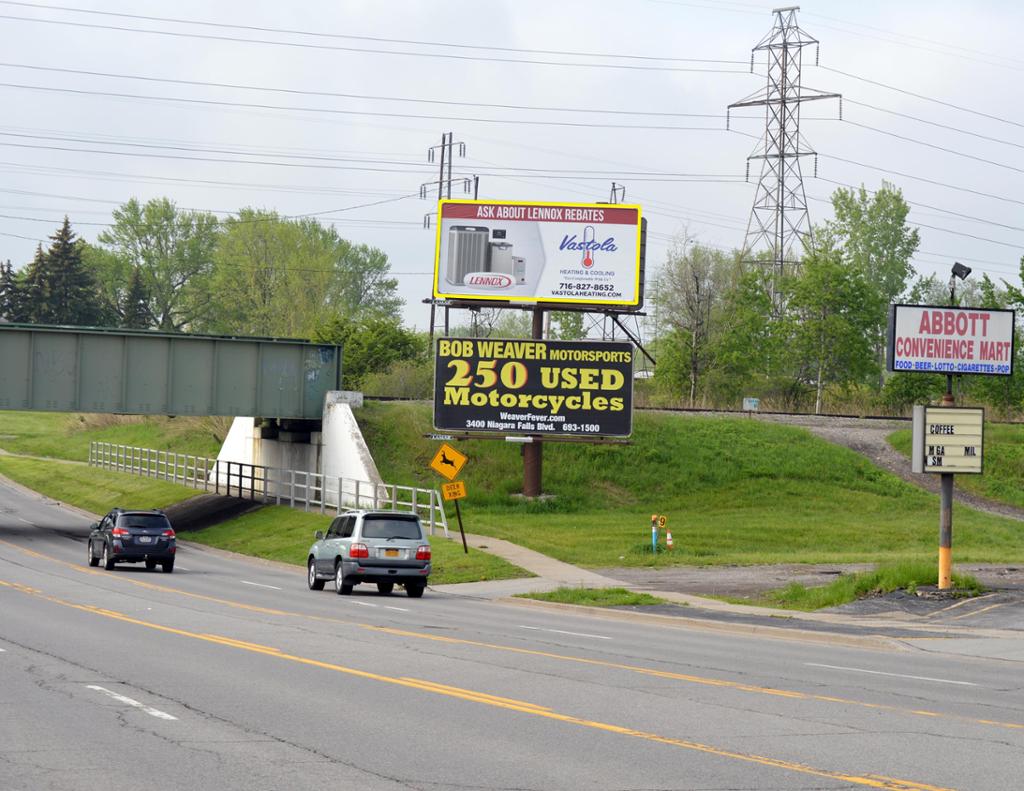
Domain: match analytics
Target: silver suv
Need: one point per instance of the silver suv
(385, 547)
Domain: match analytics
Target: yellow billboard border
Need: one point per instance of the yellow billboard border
(568, 300)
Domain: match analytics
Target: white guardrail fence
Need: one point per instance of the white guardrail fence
(310, 491)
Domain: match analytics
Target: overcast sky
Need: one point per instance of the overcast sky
(298, 151)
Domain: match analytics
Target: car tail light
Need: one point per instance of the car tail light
(423, 552)
(119, 532)
(168, 533)
(358, 551)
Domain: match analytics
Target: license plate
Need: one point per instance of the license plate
(145, 539)
(391, 553)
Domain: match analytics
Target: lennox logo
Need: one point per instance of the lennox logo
(487, 280)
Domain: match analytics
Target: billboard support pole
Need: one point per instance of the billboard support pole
(533, 451)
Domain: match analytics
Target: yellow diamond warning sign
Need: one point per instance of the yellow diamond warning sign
(448, 462)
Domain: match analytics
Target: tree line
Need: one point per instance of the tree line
(160, 267)
(810, 339)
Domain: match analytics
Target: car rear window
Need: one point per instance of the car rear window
(142, 520)
(391, 527)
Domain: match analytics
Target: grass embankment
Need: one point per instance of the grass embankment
(276, 533)
(596, 597)
(908, 576)
(735, 490)
(61, 435)
(1003, 479)
(86, 487)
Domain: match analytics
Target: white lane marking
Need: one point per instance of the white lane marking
(182, 568)
(363, 603)
(261, 585)
(400, 609)
(560, 631)
(895, 675)
(26, 521)
(163, 715)
(3, 650)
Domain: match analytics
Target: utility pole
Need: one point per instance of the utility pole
(446, 153)
(779, 222)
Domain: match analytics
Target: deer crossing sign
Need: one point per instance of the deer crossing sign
(448, 461)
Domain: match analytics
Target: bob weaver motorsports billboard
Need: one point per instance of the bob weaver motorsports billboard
(538, 252)
(936, 339)
(534, 386)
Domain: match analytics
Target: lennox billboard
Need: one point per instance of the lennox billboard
(937, 339)
(512, 251)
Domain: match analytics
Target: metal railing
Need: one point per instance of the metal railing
(310, 491)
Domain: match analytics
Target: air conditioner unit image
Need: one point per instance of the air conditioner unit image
(468, 251)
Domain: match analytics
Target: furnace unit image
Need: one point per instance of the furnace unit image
(468, 251)
(504, 262)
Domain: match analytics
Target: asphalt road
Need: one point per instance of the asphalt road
(229, 674)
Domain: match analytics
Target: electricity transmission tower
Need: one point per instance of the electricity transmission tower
(779, 223)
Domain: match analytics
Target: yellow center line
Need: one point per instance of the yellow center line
(870, 781)
(667, 674)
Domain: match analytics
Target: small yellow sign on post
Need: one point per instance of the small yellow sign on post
(455, 490)
(448, 462)
(662, 521)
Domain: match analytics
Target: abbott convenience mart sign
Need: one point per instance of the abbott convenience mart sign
(501, 251)
(936, 339)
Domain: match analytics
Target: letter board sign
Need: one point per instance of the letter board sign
(578, 388)
(953, 439)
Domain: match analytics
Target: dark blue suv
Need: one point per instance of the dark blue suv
(126, 536)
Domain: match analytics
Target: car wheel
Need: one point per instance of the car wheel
(108, 561)
(150, 565)
(414, 590)
(340, 586)
(311, 580)
(385, 588)
(93, 560)
(168, 566)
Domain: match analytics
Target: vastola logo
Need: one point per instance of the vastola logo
(487, 280)
(588, 245)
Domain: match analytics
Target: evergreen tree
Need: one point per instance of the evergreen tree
(35, 289)
(135, 313)
(10, 294)
(61, 290)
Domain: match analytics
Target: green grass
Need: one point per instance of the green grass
(736, 491)
(62, 435)
(1003, 478)
(285, 534)
(92, 489)
(596, 597)
(908, 575)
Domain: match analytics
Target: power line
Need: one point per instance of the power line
(337, 48)
(891, 172)
(334, 94)
(935, 123)
(944, 149)
(901, 39)
(921, 96)
(927, 206)
(553, 173)
(373, 113)
(349, 36)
